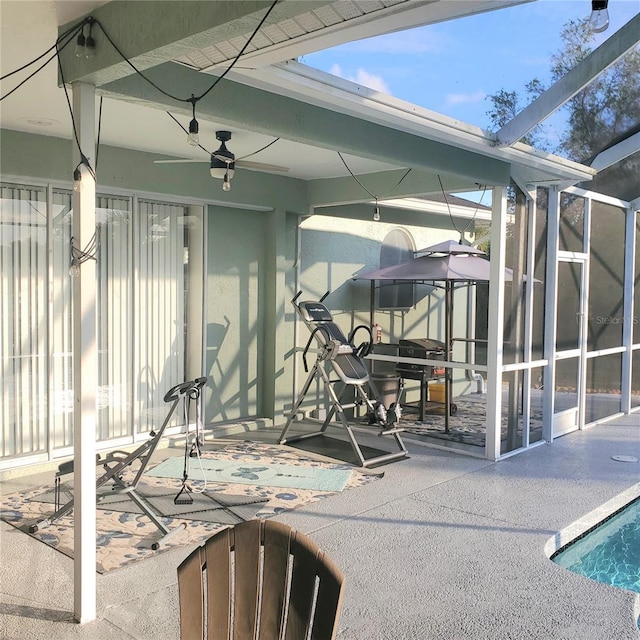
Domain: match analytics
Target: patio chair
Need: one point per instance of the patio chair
(259, 580)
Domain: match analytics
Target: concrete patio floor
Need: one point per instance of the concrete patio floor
(444, 546)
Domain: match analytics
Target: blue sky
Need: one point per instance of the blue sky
(453, 66)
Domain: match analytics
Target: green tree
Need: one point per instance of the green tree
(603, 112)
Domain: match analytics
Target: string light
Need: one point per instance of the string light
(376, 211)
(599, 19)
(193, 138)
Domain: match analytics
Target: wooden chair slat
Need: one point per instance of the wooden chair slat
(191, 594)
(218, 564)
(303, 579)
(247, 575)
(274, 586)
(329, 600)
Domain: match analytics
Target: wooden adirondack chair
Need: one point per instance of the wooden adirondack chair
(259, 580)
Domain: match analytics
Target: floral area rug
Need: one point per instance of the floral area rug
(125, 534)
(467, 426)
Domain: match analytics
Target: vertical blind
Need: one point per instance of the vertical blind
(23, 320)
(141, 273)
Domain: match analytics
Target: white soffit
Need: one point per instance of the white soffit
(333, 24)
(325, 90)
(479, 212)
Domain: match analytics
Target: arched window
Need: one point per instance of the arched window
(397, 247)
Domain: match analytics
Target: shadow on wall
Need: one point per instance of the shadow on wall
(216, 334)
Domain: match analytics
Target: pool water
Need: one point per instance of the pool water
(609, 552)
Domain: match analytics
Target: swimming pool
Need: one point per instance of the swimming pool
(608, 552)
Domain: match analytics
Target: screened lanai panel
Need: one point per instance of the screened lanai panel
(161, 252)
(635, 378)
(23, 320)
(604, 387)
(636, 286)
(540, 274)
(571, 228)
(606, 277)
(516, 240)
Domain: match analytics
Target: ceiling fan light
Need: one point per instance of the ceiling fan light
(219, 168)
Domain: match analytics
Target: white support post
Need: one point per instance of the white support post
(630, 258)
(531, 195)
(85, 378)
(551, 312)
(496, 326)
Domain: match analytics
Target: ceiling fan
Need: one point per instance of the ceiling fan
(223, 162)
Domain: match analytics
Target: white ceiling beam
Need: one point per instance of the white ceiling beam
(571, 83)
(617, 153)
(274, 114)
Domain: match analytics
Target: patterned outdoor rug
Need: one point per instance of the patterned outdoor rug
(125, 534)
(467, 426)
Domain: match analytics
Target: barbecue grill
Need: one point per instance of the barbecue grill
(425, 348)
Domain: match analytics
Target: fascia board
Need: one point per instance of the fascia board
(322, 89)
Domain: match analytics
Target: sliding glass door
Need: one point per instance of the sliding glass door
(143, 283)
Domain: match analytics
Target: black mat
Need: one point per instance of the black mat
(337, 449)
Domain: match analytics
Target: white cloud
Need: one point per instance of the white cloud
(465, 98)
(362, 77)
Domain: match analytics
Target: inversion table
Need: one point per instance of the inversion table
(346, 363)
(117, 462)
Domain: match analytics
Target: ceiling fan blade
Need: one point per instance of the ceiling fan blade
(243, 164)
(178, 161)
(261, 166)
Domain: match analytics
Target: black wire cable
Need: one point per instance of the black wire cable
(83, 159)
(42, 66)
(192, 99)
(246, 44)
(99, 131)
(266, 146)
(475, 213)
(376, 198)
(76, 28)
(253, 153)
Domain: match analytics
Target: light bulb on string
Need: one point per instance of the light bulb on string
(81, 42)
(77, 179)
(376, 213)
(599, 19)
(89, 47)
(193, 138)
(74, 269)
(226, 183)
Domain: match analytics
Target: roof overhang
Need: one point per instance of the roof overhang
(322, 89)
